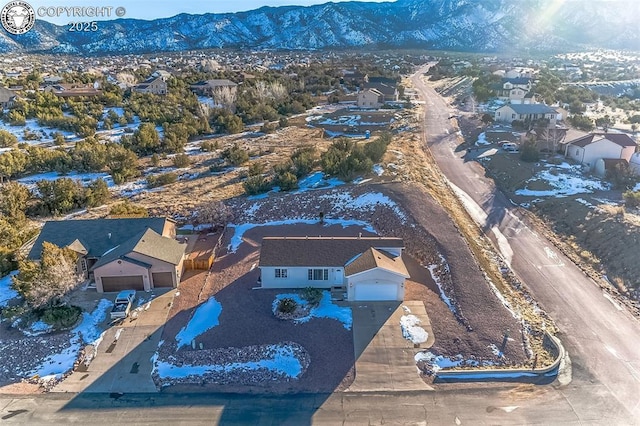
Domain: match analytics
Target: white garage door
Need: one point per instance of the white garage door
(373, 292)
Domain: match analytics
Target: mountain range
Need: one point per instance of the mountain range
(465, 25)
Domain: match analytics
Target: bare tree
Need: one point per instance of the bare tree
(217, 214)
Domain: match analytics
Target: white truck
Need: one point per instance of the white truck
(123, 303)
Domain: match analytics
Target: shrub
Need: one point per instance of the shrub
(236, 155)
(61, 316)
(529, 152)
(256, 185)
(622, 177)
(161, 180)
(312, 295)
(287, 305)
(632, 199)
(181, 160)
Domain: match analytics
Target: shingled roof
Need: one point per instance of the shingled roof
(95, 236)
(148, 243)
(373, 258)
(619, 139)
(319, 251)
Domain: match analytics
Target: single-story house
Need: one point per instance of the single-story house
(389, 90)
(588, 149)
(7, 98)
(524, 112)
(74, 90)
(366, 268)
(370, 98)
(119, 254)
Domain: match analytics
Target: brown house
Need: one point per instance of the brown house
(72, 90)
(119, 254)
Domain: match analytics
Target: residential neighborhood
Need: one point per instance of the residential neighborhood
(270, 224)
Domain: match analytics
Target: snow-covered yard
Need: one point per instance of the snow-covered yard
(6, 292)
(562, 180)
(204, 318)
(325, 309)
(247, 365)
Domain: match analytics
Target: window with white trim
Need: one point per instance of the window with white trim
(318, 274)
(280, 273)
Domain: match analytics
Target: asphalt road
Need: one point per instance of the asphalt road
(601, 336)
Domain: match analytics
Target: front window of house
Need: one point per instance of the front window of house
(318, 274)
(281, 273)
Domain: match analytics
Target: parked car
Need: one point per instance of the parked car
(510, 147)
(122, 307)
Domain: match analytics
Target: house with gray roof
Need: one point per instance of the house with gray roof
(119, 254)
(526, 112)
(364, 268)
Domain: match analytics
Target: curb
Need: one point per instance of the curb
(509, 374)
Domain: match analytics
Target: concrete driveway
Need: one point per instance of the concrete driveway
(124, 364)
(384, 358)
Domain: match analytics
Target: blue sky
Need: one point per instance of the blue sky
(144, 9)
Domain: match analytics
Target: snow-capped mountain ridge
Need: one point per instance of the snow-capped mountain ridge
(472, 25)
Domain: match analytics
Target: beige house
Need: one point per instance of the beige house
(588, 149)
(119, 254)
(7, 98)
(365, 268)
(154, 85)
(370, 98)
(526, 112)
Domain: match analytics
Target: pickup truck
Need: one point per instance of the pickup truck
(123, 303)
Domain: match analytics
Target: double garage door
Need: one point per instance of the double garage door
(131, 282)
(376, 291)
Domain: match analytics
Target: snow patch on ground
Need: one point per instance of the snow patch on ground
(204, 318)
(325, 309)
(344, 202)
(411, 330)
(564, 180)
(282, 361)
(432, 270)
(378, 169)
(87, 332)
(6, 292)
(482, 139)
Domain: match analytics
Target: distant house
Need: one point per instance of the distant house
(525, 112)
(388, 89)
(74, 90)
(222, 91)
(154, 85)
(366, 268)
(370, 98)
(589, 149)
(515, 88)
(7, 98)
(119, 254)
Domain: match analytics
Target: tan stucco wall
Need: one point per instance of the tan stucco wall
(123, 268)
